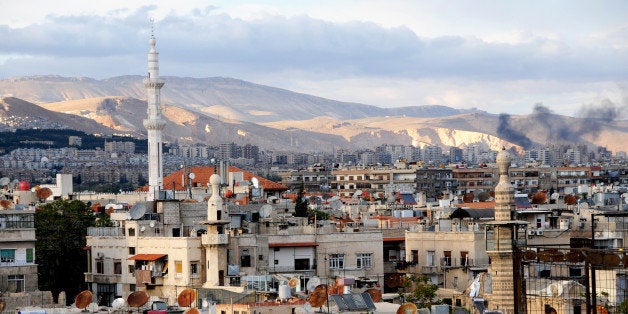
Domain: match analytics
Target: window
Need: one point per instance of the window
(336, 261)
(117, 267)
(194, 269)
(415, 256)
(100, 266)
(430, 258)
(29, 255)
(131, 232)
(131, 269)
(7, 255)
(131, 250)
(15, 283)
(302, 264)
(463, 258)
(365, 260)
(245, 261)
(178, 268)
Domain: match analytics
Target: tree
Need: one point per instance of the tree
(300, 207)
(61, 227)
(420, 291)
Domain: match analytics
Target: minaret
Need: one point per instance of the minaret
(502, 249)
(215, 240)
(154, 123)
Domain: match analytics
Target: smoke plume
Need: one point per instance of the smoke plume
(506, 132)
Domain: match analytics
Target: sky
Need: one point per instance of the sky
(570, 56)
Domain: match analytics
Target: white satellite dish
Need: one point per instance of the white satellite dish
(143, 228)
(265, 211)
(191, 175)
(152, 224)
(554, 196)
(118, 303)
(312, 283)
(5, 181)
(255, 182)
(137, 211)
(357, 193)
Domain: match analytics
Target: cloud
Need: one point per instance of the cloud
(206, 39)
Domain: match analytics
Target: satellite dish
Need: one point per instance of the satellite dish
(186, 297)
(293, 282)
(255, 182)
(312, 283)
(336, 204)
(137, 211)
(191, 175)
(407, 308)
(205, 303)
(118, 303)
(192, 311)
(143, 228)
(5, 181)
(319, 296)
(357, 193)
(152, 224)
(265, 211)
(83, 299)
(271, 199)
(137, 299)
(375, 294)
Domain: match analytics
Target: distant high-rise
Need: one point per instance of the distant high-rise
(154, 124)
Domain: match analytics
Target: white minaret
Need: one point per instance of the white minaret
(215, 240)
(154, 123)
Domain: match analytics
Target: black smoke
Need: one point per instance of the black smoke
(594, 117)
(506, 132)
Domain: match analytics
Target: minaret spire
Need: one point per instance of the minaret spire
(154, 124)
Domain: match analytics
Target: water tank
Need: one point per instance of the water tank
(284, 291)
(24, 186)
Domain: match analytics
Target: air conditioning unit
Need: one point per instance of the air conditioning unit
(100, 255)
(531, 232)
(539, 232)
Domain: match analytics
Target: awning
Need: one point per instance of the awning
(394, 239)
(293, 244)
(146, 257)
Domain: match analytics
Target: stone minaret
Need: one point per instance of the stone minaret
(154, 124)
(504, 228)
(215, 240)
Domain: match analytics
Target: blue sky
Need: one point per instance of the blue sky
(499, 56)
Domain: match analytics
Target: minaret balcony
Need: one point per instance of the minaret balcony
(154, 124)
(153, 83)
(215, 239)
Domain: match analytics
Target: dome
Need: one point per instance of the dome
(214, 179)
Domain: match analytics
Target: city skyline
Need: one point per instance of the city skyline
(498, 57)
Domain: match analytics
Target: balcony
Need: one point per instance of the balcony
(18, 235)
(215, 239)
(429, 269)
(102, 278)
(292, 269)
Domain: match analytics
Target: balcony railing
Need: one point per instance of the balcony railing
(288, 269)
(102, 278)
(9, 262)
(215, 239)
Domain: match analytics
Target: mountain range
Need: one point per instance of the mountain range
(215, 110)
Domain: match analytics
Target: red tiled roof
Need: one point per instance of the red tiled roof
(146, 257)
(293, 244)
(202, 174)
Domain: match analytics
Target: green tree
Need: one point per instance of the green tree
(300, 207)
(420, 291)
(61, 227)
